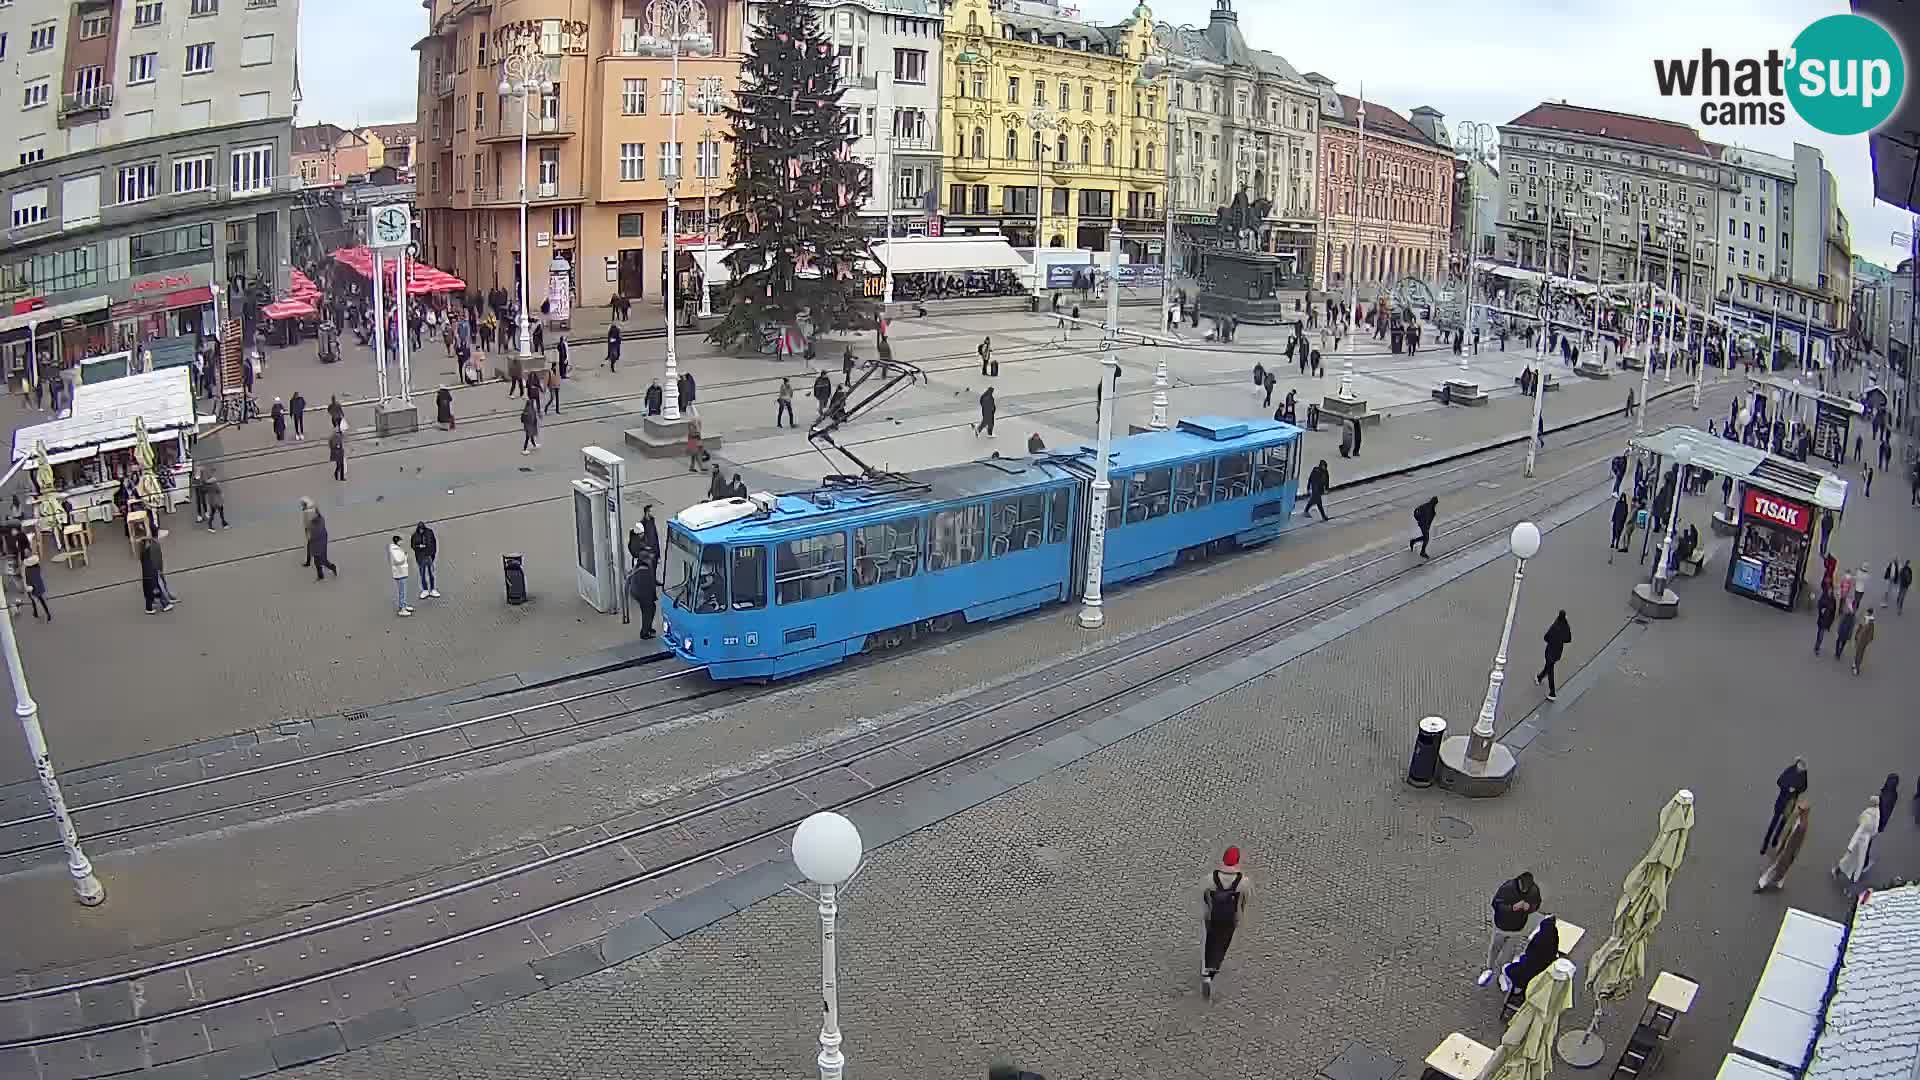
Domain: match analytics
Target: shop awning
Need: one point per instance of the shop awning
(1747, 464)
(949, 254)
(1785, 1011)
(291, 308)
(102, 417)
(1800, 389)
(53, 313)
(198, 296)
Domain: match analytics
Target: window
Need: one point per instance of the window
(146, 13)
(979, 143)
(566, 220)
(1066, 96)
(673, 95)
(1270, 468)
(550, 37)
(633, 161)
(1018, 523)
(1235, 479)
(979, 84)
(1013, 146)
(633, 97)
(629, 225)
(889, 551)
(1149, 494)
(478, 176)
(29, 208)
(140, 68)
(958, 536)
(139, 183)
(203, 7)
(909, 65)
(167, 248)
(95, 26)
(549, 167)
(199, 58)
(1058, 519)
(669, 161)
(707, 164)
(1108, 154)
(32, 148)
(479, 112)
(1039, 93)
(40, 38)
(1110, 102)
(1763, 234)
(749, 578)
(193, 173)
(1013, 89)
(1192, 485)
(252, 169)
(1086, 98)
(810, 567)
(3, 42)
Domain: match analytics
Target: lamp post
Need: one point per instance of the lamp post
(86, 887)
(1540, 345)
(1524, 542)
(1476, 142)
(1605, 199)
(1652, 597)
(827, 849)
(1706, 324)
(522, 74)
(709, 100)
(1092, 614)
(1163, 68)
(1043, 121)
(1474, 200)
(1359, 214)
(672, 24)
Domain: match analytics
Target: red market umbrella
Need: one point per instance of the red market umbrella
(303, 283)
(292, 308)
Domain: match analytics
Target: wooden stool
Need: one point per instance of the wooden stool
(74, 546)
(138, 529)
(1458, 1058)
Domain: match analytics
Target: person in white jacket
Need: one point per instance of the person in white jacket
(397, 560)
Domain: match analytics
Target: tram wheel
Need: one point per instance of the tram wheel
(893, 638)
(869, 644)
(940, 624)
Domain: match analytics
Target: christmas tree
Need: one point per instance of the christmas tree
(797, 189)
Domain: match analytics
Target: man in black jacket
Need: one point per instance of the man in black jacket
(425, 547)
(1423, 519)
(640, 586)
(1318, 481)
(1514, 903)
(1792, 783)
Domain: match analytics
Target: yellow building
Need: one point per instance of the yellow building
(1043, 123)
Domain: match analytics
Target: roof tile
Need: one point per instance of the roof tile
(1872, 1029)
(1381, 119)
(1579, 120)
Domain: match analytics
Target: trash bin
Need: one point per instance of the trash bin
(1313, 418)
(513, 566)
(1426, 752)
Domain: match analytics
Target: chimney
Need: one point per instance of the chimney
(1223, 13)
(1427, 119)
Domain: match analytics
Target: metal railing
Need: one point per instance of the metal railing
(87, 100)
(537, 125)
(443, 85)
(508, 192)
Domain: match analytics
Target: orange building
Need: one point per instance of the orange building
(328, 156)
(598, 149)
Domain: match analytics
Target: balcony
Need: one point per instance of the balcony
(539, 128)
(92, 99)
(508, 193)
(971, 169)
(863, 82)
(443, 86)
(920, 144)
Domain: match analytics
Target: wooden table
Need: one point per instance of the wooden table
(1673, 993)
(1570, 937)
(1457, 1058)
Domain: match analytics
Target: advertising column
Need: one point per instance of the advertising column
(1770, 551)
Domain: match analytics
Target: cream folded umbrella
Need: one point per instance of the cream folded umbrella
(1526, 1050)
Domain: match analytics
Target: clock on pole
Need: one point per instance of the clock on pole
(392, 226)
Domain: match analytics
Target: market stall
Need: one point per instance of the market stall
(115, 426)
(1832, 416)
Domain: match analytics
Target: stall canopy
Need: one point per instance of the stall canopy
(949, 254)
(288, 309)
(53, 313)
(1748, 464)
(103, 414)
(421, 278)
(1812, 393)
(1784, 1013)
(1871, 1030)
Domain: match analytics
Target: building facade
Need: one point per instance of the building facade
(1387, 190)
(1477, 208)
(326, 156)
(1243, 120)
(606, 130)
(391, 145)
(1046, 136)
(150, 171)
(889, 56)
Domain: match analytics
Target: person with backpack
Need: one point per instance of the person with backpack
(1223, 903)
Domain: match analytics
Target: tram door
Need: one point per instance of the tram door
(1077, 587)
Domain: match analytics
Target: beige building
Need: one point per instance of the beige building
(391, 145)
(598, 143)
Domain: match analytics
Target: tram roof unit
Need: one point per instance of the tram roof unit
(765, 516)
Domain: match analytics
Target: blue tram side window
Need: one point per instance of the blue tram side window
(959, 536)
(1016, 523)
(1270, 470)
(1059, 523)
(1193, 485)
(888, 551)
(1236, 477)
(810, 567)
(1149, 495)
(1116, 503)
(750, 578)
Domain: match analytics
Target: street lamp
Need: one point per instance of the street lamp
(1042, 122)
(1524, 542)
(1163, 68)
(1606, 199)
(1476, 142)
(1092, 614)
(671, 25)
(522, 74)
(827, 849)
(710, 102)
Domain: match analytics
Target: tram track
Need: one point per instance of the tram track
(1368, 499)
(950, 736)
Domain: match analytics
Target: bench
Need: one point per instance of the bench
(1591, 368)
(1702, 555)
(1460, 392)
(1548, 378)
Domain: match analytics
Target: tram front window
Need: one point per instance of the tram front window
(696, 576)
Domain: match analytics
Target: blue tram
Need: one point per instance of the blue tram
(771, 586)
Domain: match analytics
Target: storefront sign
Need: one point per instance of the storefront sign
(1830, 425)
(159, 284)
(1777, 510)
(197, 297)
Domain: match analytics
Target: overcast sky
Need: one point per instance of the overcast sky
(1483, 60)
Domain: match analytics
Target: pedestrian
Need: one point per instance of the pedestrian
(696, 449)
(1862, 637)
(1423, 520)
(1859, 853)
(1035, 445)
(553, 393)
(613, 348)
(783, 403)
(1792, 836)
(717, 485)
(846, 364)
(656, 398)
(1826, 529)
(1904, 582)
(297, 407)
(397, 563)
(1844, 633)
(150, 591)
(443, 408)
(1558, 637)
(1619, 467)
(337, 453)
(822, 391)
(1791, 785)
(1868, 490)
(687, 389)
(649, 535)
(560, 363)
(1224, 903)
(1632, 403)
(1824, 612)
(641, 587)
(1622, 514)
(1543, 948)
(516, 376)
(1514, 902)
(279, 421)
(317, 542)
(1318, 481)
(987, 409)
(529, 427)
(736, 488)
(216, 501)
(1268, 383)
(36, 587)
(1889, 798)
(985, 350)
(426, 548)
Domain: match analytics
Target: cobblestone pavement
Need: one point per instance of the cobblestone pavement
(1058, 924)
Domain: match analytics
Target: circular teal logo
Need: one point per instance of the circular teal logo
(1848, 75)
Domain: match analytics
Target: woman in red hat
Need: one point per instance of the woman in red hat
(1223, 902)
